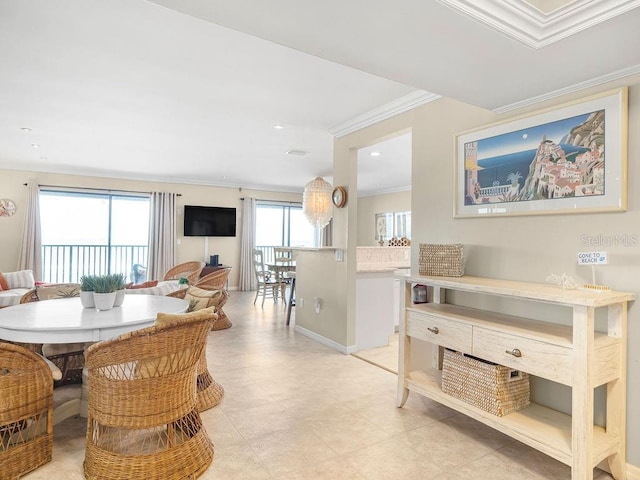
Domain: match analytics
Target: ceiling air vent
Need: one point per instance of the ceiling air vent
(300, 153)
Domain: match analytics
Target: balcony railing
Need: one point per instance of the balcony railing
(67, 263)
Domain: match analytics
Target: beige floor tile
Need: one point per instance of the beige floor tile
(294, 409)
(289, 451)
(236, 462)
(391, 459)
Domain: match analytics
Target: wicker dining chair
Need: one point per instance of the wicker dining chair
(217, 281)
(190, 270)
(210, 392)
(143, 422)
(26, 411)
(69, 358)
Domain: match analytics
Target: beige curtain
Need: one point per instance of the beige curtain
(30, 257)
(247, 242)
(162, 234)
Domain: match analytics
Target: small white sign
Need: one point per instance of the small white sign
(593, 258)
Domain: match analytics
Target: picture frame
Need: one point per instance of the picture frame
(566, 159)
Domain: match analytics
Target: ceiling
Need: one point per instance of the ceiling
(190, 90)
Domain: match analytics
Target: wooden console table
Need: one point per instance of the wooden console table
(577, 356)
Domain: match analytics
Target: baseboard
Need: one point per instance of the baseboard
(347, 350)
(633, 472)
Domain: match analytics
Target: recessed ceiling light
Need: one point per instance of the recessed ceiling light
(25, 129)
(278, 127)
(375, 154)
(35, 145)
(301, 153)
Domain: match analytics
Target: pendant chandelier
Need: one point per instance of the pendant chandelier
(316, 202)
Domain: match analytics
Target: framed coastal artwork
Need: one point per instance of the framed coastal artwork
(569, 159)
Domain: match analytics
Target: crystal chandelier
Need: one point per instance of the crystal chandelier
(316, 202)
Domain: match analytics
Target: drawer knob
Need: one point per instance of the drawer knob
(515, 352)
(433, 330)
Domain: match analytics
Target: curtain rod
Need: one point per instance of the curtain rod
(107, 190)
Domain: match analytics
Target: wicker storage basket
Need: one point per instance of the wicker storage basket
(494, 388)
(445, 260)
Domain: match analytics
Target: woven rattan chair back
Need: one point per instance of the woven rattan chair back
(26, 411)
(143, 421)
(210, 392)
(70, 363)
(217, 281)
(189, 270)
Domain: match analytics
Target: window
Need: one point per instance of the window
(92, 233)
(281, 224)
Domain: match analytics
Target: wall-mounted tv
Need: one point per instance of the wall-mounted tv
(209, 221)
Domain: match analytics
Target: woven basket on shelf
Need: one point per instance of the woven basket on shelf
(494, 388)
(445, 260)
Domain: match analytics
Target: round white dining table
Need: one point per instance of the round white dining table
(66, 321)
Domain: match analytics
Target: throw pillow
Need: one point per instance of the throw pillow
(199, 298)
(150, 283)
(62, 290)
(21, 279)
(3, 283)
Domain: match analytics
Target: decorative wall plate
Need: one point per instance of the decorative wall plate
(7, 207)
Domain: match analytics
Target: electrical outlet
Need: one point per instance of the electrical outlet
(300, 303)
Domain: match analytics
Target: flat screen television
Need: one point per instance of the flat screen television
(209, 221)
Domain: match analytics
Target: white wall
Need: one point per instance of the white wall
(191, 248)
(527, 248)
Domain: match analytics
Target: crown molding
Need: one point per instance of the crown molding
(594, 82)
(525, 23)
(401, 105)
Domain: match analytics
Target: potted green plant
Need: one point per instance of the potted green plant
(86, 291)
(118, 279)
(104, 292)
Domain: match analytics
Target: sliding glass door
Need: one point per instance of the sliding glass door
(92, 233)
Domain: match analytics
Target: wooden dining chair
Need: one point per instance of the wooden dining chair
(267, 283)
(143, 420)
(26, 411)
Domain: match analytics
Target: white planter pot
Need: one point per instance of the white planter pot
(86, 299)
(104, 301)
(119, 298)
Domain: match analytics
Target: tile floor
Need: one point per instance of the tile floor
(294, 409)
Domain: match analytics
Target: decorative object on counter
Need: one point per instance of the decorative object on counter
(494, 388)
(564, 281)
(441, 260)
(339, 196)
(316, 202)
(399, 242)
(595, 288)
(7, 207)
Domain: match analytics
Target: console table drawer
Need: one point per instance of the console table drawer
(441, 331)
(539, 358)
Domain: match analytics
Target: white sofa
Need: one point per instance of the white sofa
(19, 283)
